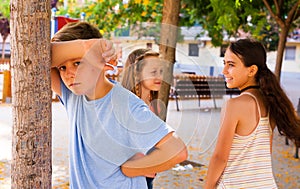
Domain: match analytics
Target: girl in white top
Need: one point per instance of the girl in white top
(242, 157)
(143, 75)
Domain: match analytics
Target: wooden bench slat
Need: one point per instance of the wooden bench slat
(202, 87)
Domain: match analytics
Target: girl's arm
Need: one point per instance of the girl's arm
(168, 152)
(273, 125)
(217, 164)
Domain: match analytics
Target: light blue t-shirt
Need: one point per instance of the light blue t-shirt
(106, 132)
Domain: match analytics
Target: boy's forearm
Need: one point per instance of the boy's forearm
(90, 50)
(162, 158)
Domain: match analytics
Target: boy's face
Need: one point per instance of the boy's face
(80, 76)
(80, 64)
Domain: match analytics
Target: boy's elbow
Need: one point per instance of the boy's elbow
(183, 154)
(181, 147)
(127, 172)
(174, 149)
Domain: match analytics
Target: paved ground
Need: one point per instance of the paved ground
(198, 128)
(200, 145)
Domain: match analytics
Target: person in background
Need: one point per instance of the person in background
(142, 75)
(111, 129)
(242, 156)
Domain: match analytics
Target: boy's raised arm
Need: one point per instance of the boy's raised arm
(94, 49)
(168, 152)
(100, 49)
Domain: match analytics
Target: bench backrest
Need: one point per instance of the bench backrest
(190, 85)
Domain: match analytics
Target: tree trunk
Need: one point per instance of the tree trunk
(280, 50)
(31, 99)
(167, 48)
(284, 24)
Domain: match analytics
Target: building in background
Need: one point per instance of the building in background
(192, 54)
(199, 56)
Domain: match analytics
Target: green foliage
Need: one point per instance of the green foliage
(266, 31)
(224, 19)
(194, 12)
(114, 14)
(4, 19)
(5, 8)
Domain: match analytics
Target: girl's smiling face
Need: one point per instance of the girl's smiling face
(79, 76)
(152, 73)
(235, 72)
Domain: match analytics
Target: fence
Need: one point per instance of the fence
(6, 85)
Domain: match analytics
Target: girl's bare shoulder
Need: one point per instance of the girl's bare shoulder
(243, 98)
(239, 103)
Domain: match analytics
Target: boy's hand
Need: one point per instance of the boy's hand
(109, 54)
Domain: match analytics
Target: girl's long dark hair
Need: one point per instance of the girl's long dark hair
(280, 107)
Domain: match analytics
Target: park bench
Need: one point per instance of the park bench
(191, 86)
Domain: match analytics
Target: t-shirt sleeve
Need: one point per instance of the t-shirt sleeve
(144, 128)
(147, 129)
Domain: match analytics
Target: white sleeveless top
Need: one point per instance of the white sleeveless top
(249, 164)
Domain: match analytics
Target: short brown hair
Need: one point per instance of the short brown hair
(76, 30)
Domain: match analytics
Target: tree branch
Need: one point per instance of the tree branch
(292, 13)
(275, 16)
(277, 6)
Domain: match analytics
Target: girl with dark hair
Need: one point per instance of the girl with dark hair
(242, 157)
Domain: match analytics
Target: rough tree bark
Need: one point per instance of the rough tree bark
(31, 99)
(167, 48)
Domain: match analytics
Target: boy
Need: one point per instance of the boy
(111, 129)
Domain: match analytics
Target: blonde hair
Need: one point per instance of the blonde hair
(132, 69)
